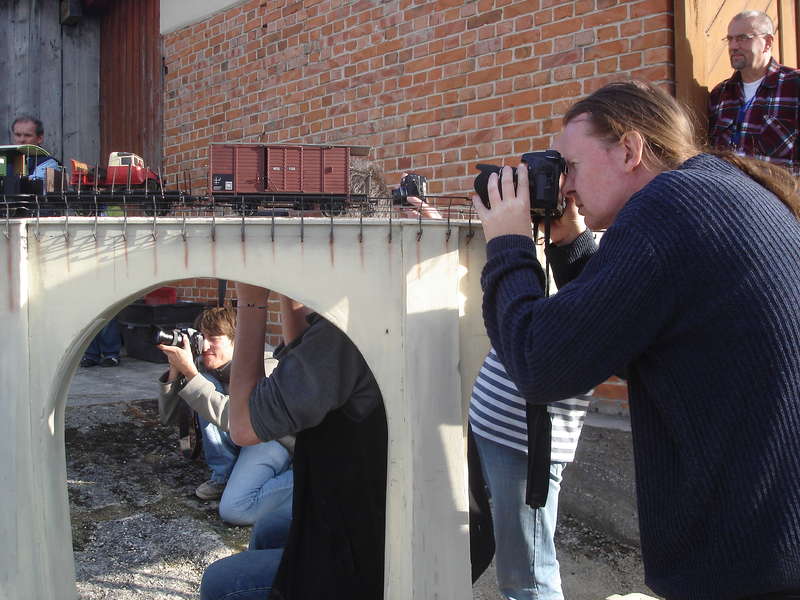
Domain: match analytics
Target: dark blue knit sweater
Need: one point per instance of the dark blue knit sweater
(696, 289)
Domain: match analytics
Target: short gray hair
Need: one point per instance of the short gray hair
(761, 20)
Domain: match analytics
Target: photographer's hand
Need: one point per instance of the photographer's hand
(180, 359)
(511, 214)
(419, 205)
(428, 211)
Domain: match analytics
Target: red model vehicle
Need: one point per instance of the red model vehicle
(124, 169)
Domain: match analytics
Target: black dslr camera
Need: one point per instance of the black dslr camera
(174, 337)
(410, 185)
(544, 175)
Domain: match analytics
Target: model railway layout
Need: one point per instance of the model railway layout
(249, 179)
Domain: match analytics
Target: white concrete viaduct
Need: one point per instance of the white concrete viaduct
(407, 295)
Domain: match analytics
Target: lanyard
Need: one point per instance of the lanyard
(737, 133)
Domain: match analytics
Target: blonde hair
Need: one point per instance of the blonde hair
(668, 133)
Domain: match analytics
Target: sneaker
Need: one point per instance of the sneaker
(89, 362)
(210, 490)
(110, 361)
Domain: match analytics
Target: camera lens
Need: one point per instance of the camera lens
(399, 195)
(482, 181)
(168, 338)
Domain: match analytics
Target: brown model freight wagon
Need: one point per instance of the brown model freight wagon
(274, 169)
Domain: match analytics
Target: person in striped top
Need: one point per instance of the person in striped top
(527, 567)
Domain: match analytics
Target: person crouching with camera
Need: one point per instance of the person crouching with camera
(249, 481)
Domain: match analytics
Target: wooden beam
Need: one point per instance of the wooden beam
(690, 59)
(787, 22)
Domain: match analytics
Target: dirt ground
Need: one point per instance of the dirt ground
(140, 533)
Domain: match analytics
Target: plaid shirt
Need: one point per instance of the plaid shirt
(768, 129)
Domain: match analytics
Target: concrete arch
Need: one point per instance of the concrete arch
(410, 302)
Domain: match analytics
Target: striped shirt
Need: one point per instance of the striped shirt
(497, 413)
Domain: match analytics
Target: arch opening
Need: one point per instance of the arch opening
(135, 520)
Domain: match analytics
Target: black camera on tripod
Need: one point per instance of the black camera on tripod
(544, 176)
(410, 185)
(174, 337)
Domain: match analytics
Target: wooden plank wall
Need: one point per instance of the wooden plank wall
(132, 82)
(51, 71)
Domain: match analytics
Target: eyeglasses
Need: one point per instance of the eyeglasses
(742, 38)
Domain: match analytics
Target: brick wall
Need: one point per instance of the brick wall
(434, 87)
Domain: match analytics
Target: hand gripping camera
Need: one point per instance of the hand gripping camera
(410, 185)
(544, 176)
(174, 337)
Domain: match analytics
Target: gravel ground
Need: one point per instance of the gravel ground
(140, 533)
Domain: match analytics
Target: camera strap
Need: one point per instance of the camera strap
(547, 243)
(536, 415)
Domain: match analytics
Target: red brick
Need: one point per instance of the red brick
(564, 90)
(607, 65)
(663, 21)
(630, 61)
(584, 38)
(608, 49)
(522, 98)
(562, 12)
(631, 28)
(542, 110)
(649, 7)
(526, 130)
(542, 17)
(605, 34)
(523, 66)
(451, 56)
(518, 9)
(658, 55)
(605, 17)
(584, 70)
(595, 83)
(557, 60)
(654, 73)
(563, 73)
(483, 19)
(558, 28)
(652, 40)
(481, 106)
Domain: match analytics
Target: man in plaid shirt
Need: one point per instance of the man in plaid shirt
(756, 112)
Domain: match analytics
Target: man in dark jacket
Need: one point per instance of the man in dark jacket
(323, 391)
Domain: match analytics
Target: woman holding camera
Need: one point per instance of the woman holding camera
(694, 291)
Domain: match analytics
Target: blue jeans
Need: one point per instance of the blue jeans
(261, 483)
(244, 576)
(218, 448)
(259, 478)
(249, 575)
(106, 343)
(270, 531)
(527, 568)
